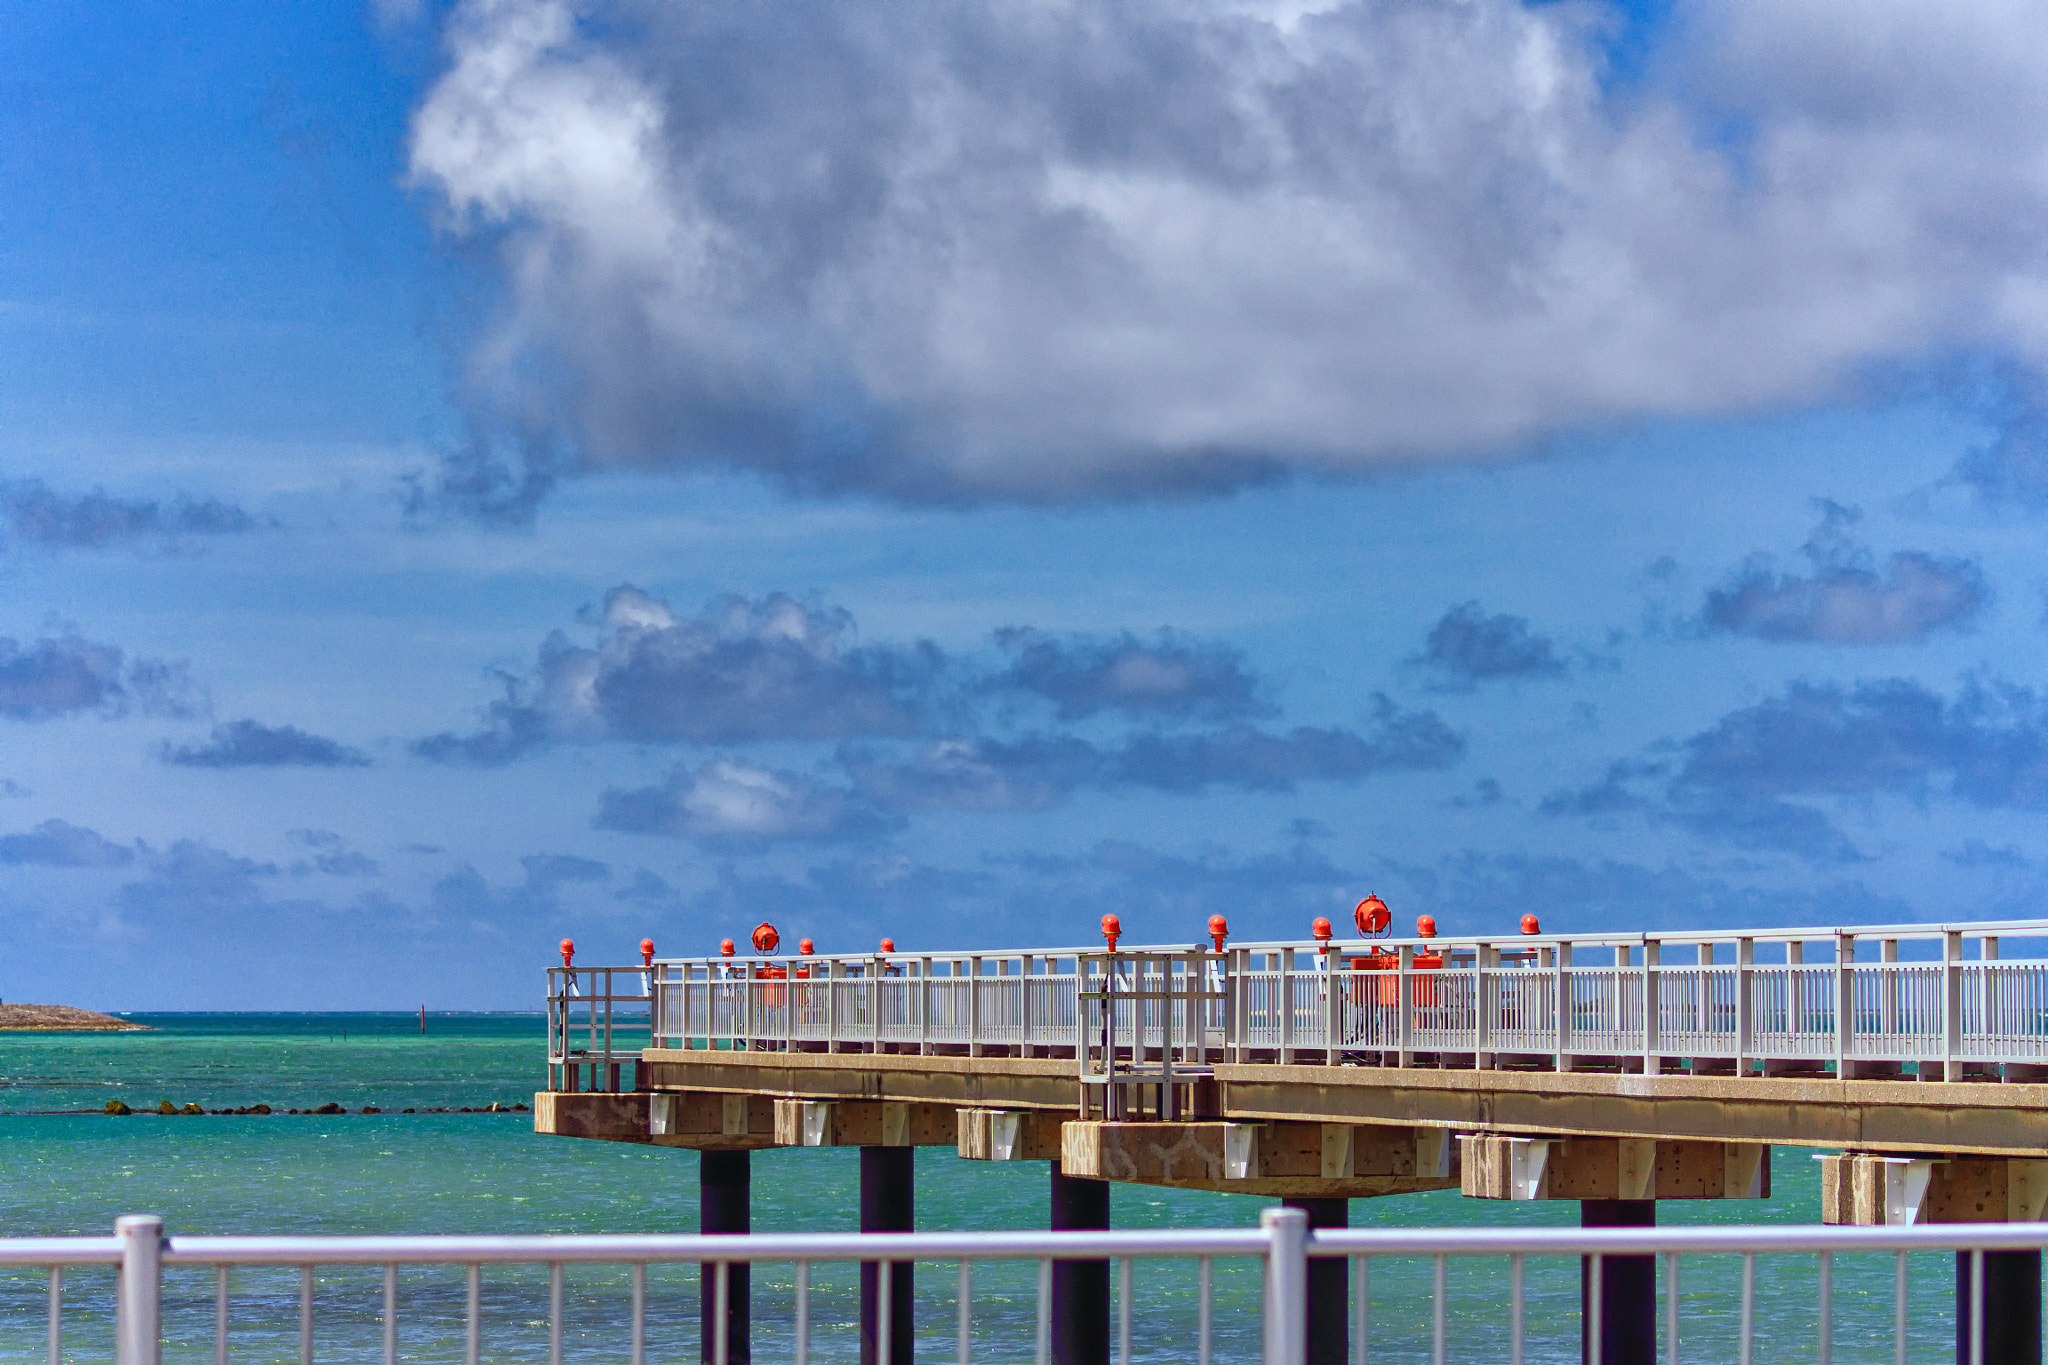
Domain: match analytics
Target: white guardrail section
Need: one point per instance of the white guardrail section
(1816, 996)
(1493, 1264)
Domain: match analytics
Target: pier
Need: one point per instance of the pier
(1617, 1070)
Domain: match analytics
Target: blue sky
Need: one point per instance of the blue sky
(474, 475)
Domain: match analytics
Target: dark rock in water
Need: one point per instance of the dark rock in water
(371, 1109)
(192, 1109)
(518, 1108)
(116, 1107)
(258, 1109)
(166, 1107)
(408, 1111)
(329, 1108)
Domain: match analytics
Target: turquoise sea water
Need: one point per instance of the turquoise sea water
(73, 1172)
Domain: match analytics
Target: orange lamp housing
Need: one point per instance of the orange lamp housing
(1219, 929)
(765, 937)
(1112, 930)
(568, 951)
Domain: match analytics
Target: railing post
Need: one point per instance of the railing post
(1286, 961)
(1561, 991)
(1333, 1009)
(1845, 1003)
(1485, 956)
(973, 1006)
(1951, 1006)
(1745, 1007)
(1653, 1042)
(1286, 1285)
(924, 1006)
(138, 1309)
(1404, 995)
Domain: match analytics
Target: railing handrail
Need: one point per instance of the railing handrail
(626, 1248)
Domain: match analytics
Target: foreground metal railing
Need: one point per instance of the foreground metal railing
(1844, 1000)
(1493, 1268)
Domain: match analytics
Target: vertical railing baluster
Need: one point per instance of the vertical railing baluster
(721, 1325)
(1205, 1285)
(885, 1314)
(966, 1295)
(1361, 1305)
(1436, 1315)
(473, 1343)
(1123, 1310)
(1515, 1293)
(640, 1315)
(1590, 1327)
(554, 1313)
(390, 1316)
(803, 1313)
(1827, 1308)
(1748, 1305)
(56, 1315)
(1899, 1309)
(305, 1315)
(1671, 1308)
(1043, 1353)
(220, 1316)
(1977, 1306)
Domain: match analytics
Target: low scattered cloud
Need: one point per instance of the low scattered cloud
(1845, 599)
(34, 514)
(332, 856)
(1171, 677)
(249, 744)
(738, 671)
(1037, 771)
(70, 675)
(731, 802)
(1753, 777)
(1467, 647)
(1977, 853)
(59, 843)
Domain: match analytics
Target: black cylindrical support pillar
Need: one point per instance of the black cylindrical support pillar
(888, 1203)
(1080, 1289)
(1329, 1293)
(723, 1206)
(1628, 1288)
(2012, 1308)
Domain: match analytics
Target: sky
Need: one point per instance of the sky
(476, 474)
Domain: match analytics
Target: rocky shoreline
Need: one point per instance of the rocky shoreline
(62, 1019)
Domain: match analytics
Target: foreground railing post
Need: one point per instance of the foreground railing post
(138, 1310)
(1286, 1285)
(725, 1206)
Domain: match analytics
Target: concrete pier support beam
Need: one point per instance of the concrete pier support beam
(724, 1206)
(1329, 1296)
(888, 1203)
(1885, 1189)
(1627, 1320)
(1080, 1289)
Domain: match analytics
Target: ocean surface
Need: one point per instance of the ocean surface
(63, 1171)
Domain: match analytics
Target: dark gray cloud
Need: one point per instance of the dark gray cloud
(249, 744)
(1474, 892)
(2011, 470)
(736, 803)
(1171, 677)
(332, 855)
(1193, 244)
(1845, 599)
(738, 671)
(37, 515)
(1977, 853)
(1466, 647)
(59, 843)
(192, 881)
(1752, 777)
(73, 676)
(1039, 770)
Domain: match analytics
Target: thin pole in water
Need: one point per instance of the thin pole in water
(423, 1018)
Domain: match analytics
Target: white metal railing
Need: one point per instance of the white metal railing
(1281, 1246)
(1818, 998)
(596, 1025)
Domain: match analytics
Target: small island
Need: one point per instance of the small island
(61, 1019)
